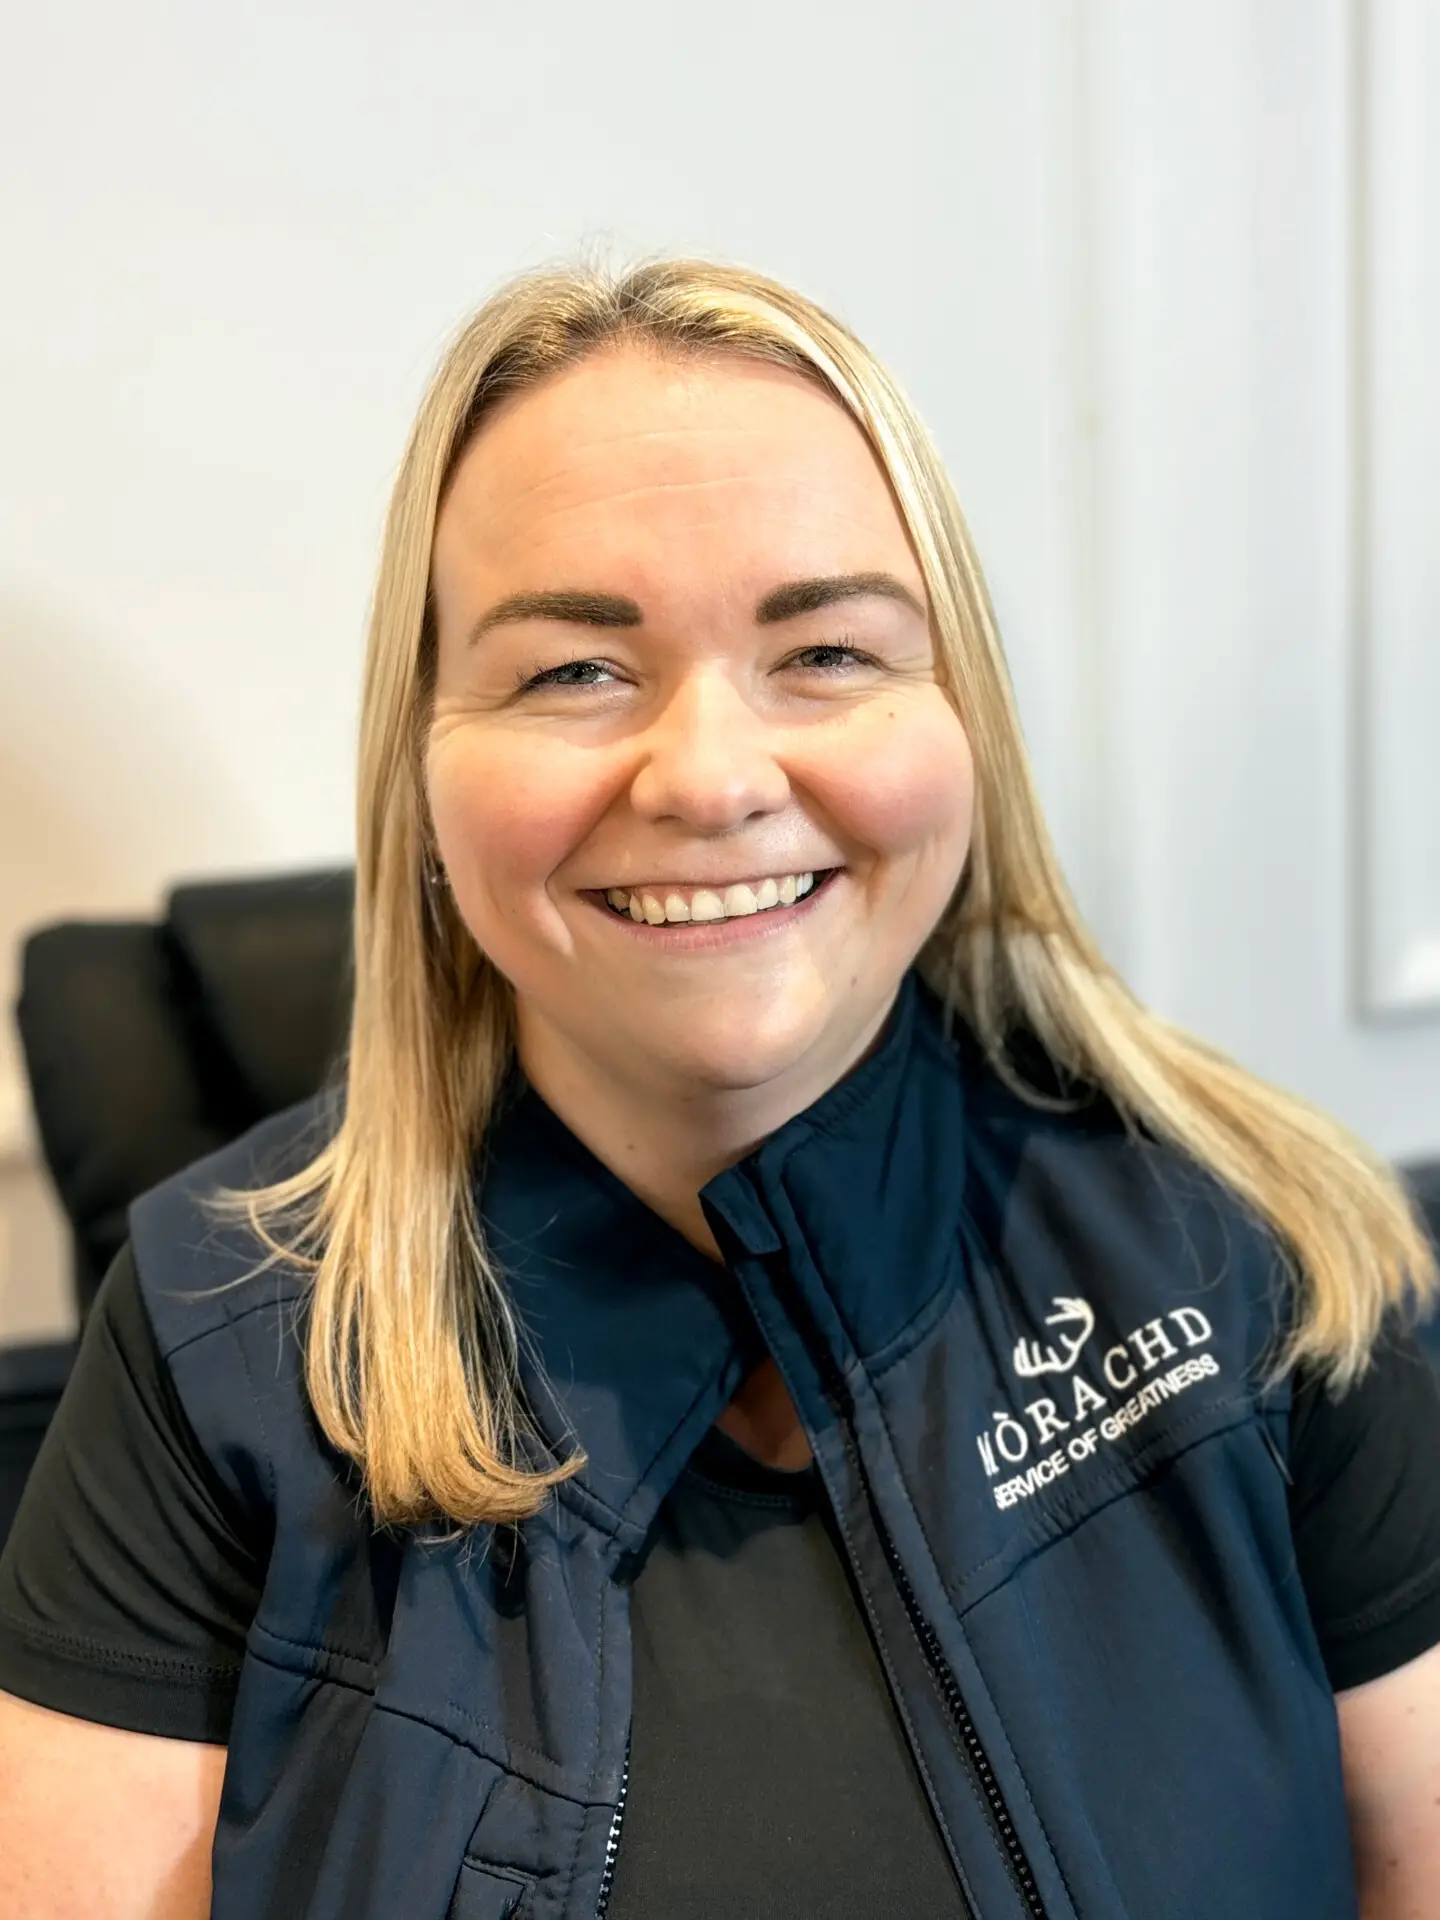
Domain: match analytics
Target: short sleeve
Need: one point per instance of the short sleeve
(1365, 1511)
(127, 1584)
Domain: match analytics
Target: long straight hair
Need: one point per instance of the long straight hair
(411, 1342)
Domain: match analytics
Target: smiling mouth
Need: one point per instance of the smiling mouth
(705, 906)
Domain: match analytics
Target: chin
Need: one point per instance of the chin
(732, 1051)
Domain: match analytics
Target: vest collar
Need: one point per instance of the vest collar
(633, 1341)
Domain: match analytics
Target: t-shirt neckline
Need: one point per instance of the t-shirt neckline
(723, 1461)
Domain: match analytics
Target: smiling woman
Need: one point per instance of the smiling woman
(771, 1384)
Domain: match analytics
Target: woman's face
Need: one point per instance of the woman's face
(733, 687)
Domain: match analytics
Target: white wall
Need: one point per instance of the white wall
(1120, 255)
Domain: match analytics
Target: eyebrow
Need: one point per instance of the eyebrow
(582, 609)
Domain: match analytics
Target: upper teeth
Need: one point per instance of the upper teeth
(702, 904)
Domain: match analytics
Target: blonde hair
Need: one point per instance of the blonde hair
(411, 1347)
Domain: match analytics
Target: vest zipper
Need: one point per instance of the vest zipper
(612, 1844)
(967, 1737)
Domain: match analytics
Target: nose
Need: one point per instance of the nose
(708, 760)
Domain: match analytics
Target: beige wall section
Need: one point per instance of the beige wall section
(1113, 251)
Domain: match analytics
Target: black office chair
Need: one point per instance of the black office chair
(149, 1044)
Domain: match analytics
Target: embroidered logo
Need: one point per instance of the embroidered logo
(1031, 1360)
(1074, 1421)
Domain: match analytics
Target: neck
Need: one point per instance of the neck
(667, 1142)
(665, 1152)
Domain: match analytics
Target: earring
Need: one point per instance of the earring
(432, 883)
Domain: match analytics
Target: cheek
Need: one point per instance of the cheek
(503, 823)
(905, 783)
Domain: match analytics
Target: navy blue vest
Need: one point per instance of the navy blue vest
(1027, 1349)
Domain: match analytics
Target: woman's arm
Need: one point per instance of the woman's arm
(1390, 1738)
(99, 1824)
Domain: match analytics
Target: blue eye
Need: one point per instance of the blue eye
(839, 655)
(565, 675)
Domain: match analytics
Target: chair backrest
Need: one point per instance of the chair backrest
(148, 1044)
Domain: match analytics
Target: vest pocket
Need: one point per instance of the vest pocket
(488, 1893)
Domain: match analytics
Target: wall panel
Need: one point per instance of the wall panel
(1397, 632)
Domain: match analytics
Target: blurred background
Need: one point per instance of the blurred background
(1163, 278)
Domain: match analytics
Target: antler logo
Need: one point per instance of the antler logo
(1031, 1359)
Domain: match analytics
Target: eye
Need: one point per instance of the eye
(570, 673)
(831, 656)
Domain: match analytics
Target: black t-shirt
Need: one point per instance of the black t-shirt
(766, 1752)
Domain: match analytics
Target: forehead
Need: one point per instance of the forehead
(634, 458)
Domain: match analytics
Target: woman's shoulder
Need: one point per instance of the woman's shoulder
(1054, 1171)
(229, 1316)
(200, 1262)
